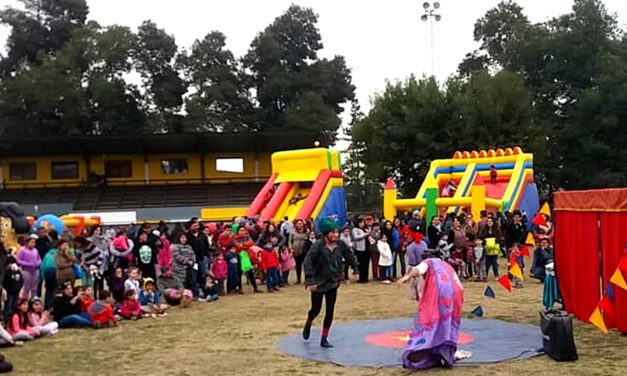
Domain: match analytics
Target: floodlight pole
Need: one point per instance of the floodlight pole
(431, 15)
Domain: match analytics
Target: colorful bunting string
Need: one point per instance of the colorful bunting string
(504, 281)
(596, 319)
(478, 311)
(530, 240)
(516, 271)
(618, 279)
(546, 210)
(489, 292)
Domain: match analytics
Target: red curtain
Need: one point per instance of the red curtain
(577, 261)
(613, 240)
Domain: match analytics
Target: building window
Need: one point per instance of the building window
(23, 171)
(232, 165)
(64, 170)
(121, 168)
(174, 166)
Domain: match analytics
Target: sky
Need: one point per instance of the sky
(381, 40)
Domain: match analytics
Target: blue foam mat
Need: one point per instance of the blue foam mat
(494, 341)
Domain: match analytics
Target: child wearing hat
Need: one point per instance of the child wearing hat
(150, 299)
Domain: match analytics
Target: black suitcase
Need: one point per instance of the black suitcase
(557, 336)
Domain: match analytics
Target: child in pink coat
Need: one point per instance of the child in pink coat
(219, 269)
(287, 264)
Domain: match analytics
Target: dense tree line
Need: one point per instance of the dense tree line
(66, 75)
(556, 88)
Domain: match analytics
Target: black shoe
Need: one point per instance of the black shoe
(325, 344)
(306, 331)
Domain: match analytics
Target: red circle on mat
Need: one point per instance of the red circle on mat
(398, 340)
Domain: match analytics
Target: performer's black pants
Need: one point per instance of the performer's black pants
(316, 306)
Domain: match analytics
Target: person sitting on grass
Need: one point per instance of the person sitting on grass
(87, 297)
(19, 325)
(101, 311)
(67, 309)
(210, 289)
(130, 308)
(116, 284)
(40, 319)
(150, 299)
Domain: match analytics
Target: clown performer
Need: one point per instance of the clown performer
(433, 338)
(323, 272)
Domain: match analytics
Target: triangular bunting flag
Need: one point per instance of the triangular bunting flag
(539, 220)
(530, 240)
(504, 281)
(618, 279)
(609, 292)
(546, 210)
(525, 251)
(489, 292)
(516, 272)
(596, 319)
(477, 311)
(606, 305)
(623, 264)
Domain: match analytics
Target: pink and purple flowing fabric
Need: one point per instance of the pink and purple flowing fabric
(433, 339)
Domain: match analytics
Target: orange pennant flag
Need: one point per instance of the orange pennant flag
(516, 271)
(525, 251)
(530, 240)
(546, 210)
(596, 319)
(619, 280)
(504, 281)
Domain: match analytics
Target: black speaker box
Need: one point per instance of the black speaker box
(557, 336)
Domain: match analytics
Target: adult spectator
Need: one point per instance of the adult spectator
(67, 308)
(360, 237)
(541, 257)
(435, 231)
(296, 242)
(516, 231)
(64, 260)
(416, 224)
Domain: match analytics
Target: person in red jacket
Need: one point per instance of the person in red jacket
(270, 266)
(225, 238)
(101, 311)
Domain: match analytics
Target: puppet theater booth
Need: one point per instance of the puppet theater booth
(591, 255)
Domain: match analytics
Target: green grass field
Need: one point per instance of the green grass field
(238, 335)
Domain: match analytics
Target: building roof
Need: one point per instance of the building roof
(162, 143)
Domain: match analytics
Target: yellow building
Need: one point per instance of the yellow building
(134, 165)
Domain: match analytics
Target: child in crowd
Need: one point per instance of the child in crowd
(444, 248)
(479, 253)
(219, 270)
(493, 174)
(87, 297)
(19, 325)
(40, 319)
(7, 340)
(457, 262)
(234, 281)
(270, 266)
(101, 312)
(116, 284)
(121, 248)
(210, 289)
(385, 259)
(97, 280)
(287, 263)
(12, 285)
(516, 257)
(130, 308)
(150, 299)
(132, 282)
